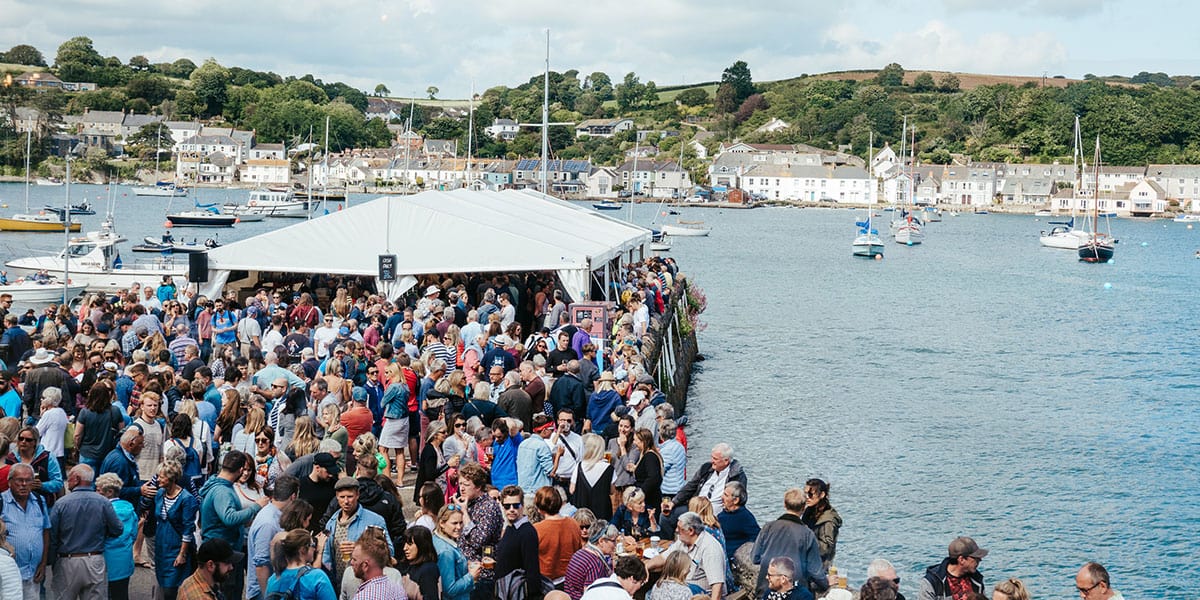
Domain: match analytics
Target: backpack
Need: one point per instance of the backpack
(291, 593)
(191, 467)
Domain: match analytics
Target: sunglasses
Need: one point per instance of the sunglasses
(263, 440)
(513, 505)
(276, 385)
(453, 507)
(26, 439)
(459, 425)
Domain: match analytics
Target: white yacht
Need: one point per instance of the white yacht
(269, 203)
(95, 263)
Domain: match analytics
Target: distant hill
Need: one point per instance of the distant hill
(966, 81)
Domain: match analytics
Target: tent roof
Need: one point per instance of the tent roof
(439, 232)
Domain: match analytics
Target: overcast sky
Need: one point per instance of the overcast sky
(409, 45)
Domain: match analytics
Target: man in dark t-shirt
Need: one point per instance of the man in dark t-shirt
(297, 340)
(317, 488)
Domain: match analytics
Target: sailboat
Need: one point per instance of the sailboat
(43, 221)
(1099, 246)
(203, 215)
(1063, 234)
(907, 228)
(868, 244)
(160, 188)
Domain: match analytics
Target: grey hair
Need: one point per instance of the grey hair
(573, 366)
(785, 566)
(601, 530)
(270, 358)
(665, 411)
(436, 365)
(131, 433)
(878, 567)
(19, 466)
(474, 424)
(52, 396)
(666, 429)
(725, 450)
(512, 378)
(109, 483)
(83, 472)
(175, 453)
(329, 445)
(448, 312)
(691, 522)
(738, 491)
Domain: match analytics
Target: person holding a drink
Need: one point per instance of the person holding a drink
(346, 525)
(457, 574)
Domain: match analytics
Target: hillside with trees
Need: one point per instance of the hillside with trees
(1149, 117)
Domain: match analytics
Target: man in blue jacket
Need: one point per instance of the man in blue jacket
(222, 515)
(347, 524)
(123, 462)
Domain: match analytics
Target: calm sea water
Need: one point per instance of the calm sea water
(978, 384)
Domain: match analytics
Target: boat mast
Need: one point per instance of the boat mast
(870, 176)
(408, 144)
(157, 153)
(1096, 204)
(325, 187)
(308, 193)
(28, 158)
(1077, 166)
(633, 177)
(546, 116)
(470, 132)
(67, 234)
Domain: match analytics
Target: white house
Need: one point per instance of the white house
(1180, 182)
(1146, 198)
(208, 159)
(502, 129)
(601, 182)
(603, 127)
(655, 178)
(775, 124)
(267, 164)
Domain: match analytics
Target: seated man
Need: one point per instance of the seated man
(707, 574)
(708, 482)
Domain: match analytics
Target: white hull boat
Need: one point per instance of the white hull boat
(1063, 238)
(162, 191)
(1187, 218)
(685, 230)
(909, 235)
(270, 203)
(868, 245)
(32, 294)
(96, 264)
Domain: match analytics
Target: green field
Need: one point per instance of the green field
(6, 67)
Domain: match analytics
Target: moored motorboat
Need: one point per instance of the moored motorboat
(168, 243)
(40, 222)
(269, 203)
(205, 215)
(686, 230)
(76, 209)
(1187, 218)
(607, 205)
(36, 291)
(163, 189)
(95, 263)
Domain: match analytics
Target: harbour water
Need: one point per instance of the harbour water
(977, 384)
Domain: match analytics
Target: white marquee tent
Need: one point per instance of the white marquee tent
(441, 232)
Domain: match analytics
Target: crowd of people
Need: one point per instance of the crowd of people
(256, 446)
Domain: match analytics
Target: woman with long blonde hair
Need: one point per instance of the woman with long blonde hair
(305, 440)
(244, 439)
(591, 484)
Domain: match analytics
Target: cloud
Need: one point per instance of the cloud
(939, 46)
(1065, 9)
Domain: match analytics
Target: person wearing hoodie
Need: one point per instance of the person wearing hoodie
(48, 479)
(957, 575)
(602, 407)
(222, 515)
(821, 518)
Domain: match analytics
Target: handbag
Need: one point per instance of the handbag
(513, 586)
